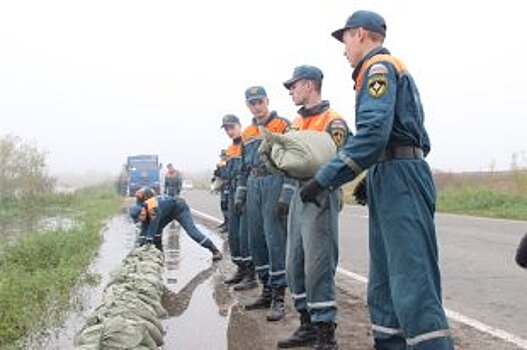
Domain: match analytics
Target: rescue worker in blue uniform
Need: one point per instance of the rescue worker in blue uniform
(173, 181)
(221, 173)
(404, 288)
(238, 236)
(312, 244)
(154, 212)
(265, 198)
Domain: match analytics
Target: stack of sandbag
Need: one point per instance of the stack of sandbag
(297, 154)
(128, 317)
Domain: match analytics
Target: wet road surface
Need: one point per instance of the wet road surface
(203, 313)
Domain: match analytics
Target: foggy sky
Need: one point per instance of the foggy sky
(93, 81)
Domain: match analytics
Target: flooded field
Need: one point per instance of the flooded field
(119, 237)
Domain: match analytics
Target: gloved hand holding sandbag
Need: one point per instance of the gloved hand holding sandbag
(297, 154)
(360, 191)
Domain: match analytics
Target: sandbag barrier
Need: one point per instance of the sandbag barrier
(128, 317)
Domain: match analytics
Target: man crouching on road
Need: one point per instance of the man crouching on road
(155, 212)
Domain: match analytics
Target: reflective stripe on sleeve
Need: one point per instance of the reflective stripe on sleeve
(350, 162)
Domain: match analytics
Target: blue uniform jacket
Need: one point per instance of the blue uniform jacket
(233, 170)
(388, 112)
(251, 160)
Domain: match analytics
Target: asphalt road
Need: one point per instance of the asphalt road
(479, 275)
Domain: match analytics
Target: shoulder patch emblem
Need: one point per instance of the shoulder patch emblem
(338, 136)
(338, 131)
(338, 123)
(377, 86)
(377, 68)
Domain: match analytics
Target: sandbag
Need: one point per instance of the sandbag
(297, 154)
(128, 316)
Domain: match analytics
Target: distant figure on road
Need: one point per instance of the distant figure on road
(155, 212)
(404, 287)
(173, 181)
(521, 253)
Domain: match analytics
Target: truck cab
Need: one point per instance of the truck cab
(143, 170)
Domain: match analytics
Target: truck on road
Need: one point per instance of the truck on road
(143, 170)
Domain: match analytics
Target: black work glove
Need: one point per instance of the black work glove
(521, 253)
(224, 205)
(282, 210)
(310, 191)
(238, 208)
(360, 192)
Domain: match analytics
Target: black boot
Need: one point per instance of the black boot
(216, 254)
(263, 301)
(304, 335)
(248, 281)
(325, 336)
(277, 310)
(238, 276)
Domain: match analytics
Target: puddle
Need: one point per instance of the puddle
(56, 223)
(12, 230)
(119, 237)
(196, 299)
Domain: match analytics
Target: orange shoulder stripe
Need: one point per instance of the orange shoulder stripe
(277, 125)
(316, 122)
(234, 150)
(397, 63)
(250, 132)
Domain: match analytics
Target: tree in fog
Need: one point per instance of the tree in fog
(23, 172)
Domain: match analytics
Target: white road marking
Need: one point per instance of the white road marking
(480, 326)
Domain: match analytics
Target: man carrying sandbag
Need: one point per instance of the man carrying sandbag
(265, 197)
(312, 242)
(404, 285)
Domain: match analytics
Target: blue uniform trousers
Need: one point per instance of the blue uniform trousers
(180, 211)
(238, 235)
(404, 291)
(234, 231)
(267, 232)
(312, 255)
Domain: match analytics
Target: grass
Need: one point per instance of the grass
(486, 202)
(488, 194)
(39, 269)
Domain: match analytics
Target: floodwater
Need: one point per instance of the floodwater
(12, 230)
(197, 301)
(119, 237)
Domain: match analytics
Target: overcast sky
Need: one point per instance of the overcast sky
(93, 81)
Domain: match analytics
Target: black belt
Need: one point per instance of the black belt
(258, 172)
(401, 152)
